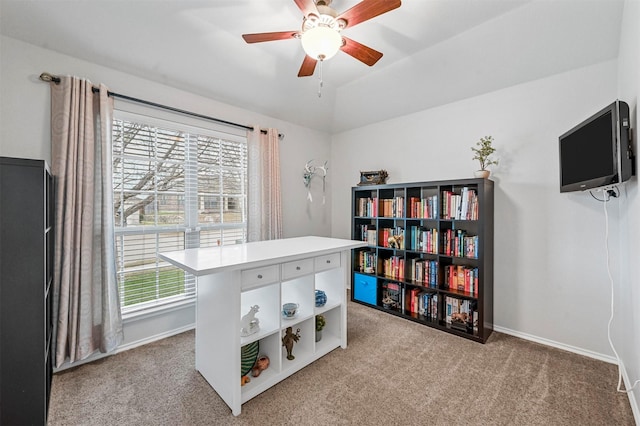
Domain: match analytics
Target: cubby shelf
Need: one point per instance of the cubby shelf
(26, 285)
(429, 253)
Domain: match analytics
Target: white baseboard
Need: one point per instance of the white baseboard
(96, 356)
(154, 338)
(553, 343)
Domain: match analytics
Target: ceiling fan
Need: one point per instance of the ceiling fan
(321, 27)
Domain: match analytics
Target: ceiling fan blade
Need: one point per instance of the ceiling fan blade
(361, 52)
(307, 7)
(368, 9)
(260, 37)
(308, 66)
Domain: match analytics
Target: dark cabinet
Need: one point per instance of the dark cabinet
(430, 253)
(26, 291)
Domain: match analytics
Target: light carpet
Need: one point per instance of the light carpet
(393, 372)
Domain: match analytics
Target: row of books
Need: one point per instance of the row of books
(425, 240)
(463, 206)
(410, 300)
(424, 271)
(422, 302)
(393, 267)
(367, 207)
(367, 262)
(458, 313)
(461, 314)
(369, 234)
(425, 208)
(457, 243)
(462, 278)
(392, 207)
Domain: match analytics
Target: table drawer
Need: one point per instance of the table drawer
(297, 268)
(259, 276)
(327, 262)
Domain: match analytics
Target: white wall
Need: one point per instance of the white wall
(25, 132)
(550, 277)
(626, 325)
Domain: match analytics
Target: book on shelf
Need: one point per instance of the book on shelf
(393, 267)
(458, 244)
(424, 271)
(412, 301)
(428, 305)
(461, 278)
(367, 261)
(368, 207)
(368, 233)
(424, 240)
(423, 208)
(372, 237)
(460, 206)
(392, 207)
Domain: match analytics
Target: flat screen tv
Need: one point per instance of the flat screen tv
(597, 152)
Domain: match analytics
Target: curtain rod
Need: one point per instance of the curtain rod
(45, 76)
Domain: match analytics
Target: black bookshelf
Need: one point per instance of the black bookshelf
(430, 253)
(26, 290)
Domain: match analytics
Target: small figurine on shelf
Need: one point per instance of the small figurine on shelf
(262, 363)
(288, 340)
(388, 302)
(396, 241)
(249, 324)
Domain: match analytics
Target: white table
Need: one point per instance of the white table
(231, 279)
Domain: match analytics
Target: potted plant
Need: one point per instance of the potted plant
(320, 323)
(482, 152)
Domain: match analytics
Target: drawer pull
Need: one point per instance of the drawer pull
(297, 268)
(328, 261)
(259, 276)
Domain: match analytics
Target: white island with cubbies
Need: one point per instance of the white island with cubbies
(231, 279)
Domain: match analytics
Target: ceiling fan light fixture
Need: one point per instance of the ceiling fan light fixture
(321, 42)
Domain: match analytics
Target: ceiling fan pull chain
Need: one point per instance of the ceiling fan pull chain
(320, 82)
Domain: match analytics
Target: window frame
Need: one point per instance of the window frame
(191, 229)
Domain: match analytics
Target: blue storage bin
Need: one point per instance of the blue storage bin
(365, 288)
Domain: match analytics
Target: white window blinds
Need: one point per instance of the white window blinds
(175, 187)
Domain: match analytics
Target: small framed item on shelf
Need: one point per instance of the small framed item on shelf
(378, 177)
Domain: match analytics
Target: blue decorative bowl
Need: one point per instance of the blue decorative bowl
(321, 298)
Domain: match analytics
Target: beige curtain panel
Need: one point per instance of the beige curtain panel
(86, 304)
(264, 221)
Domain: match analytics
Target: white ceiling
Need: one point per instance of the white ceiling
(435, 51)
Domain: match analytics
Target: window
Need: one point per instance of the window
(175, 187)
